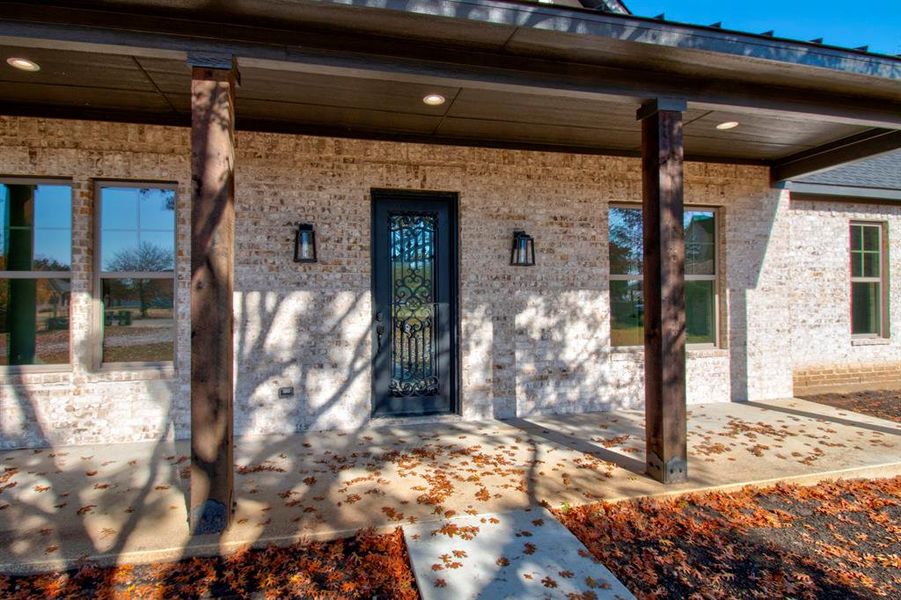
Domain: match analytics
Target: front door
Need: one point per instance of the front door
(414, 302)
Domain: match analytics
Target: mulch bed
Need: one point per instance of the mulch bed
(835, 540)
(885, 404)
(366, 566)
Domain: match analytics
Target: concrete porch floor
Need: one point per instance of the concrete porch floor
(126, 503)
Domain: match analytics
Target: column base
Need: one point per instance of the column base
(209, 517)
(674, 471)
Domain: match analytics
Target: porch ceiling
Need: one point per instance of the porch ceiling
(516, 74)
(156, 90)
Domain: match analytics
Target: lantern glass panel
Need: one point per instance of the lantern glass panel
(522, 253)
(305, 244)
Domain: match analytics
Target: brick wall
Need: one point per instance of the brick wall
(814, 380)
(79, 404)
(823, 350)
(533, 340)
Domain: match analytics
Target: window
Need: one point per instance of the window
(626, 253)
(868, 314)
(136, 261)
(35, 266)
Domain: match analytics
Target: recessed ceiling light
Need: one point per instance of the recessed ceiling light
(23, 64)
(434, 99)
(727, 125)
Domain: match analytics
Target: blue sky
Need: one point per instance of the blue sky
(876, 23)
(52, 235)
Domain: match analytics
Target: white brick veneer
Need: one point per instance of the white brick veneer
(534, 340)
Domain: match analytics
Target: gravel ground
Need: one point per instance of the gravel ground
(885, 404)
(836, 540)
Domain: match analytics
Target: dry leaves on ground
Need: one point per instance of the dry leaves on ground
(365, 566)
(835, 540)
(885, 404)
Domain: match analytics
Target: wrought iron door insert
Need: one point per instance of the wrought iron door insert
(414, 366)
(414, 304)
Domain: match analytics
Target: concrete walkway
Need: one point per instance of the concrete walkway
(519, 554)
(126, 503)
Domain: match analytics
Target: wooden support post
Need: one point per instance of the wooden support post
(664, 290)
(212, 284)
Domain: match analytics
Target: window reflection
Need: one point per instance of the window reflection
(138, 320)
(626, 247)
(137, 256)
(700, 243)
(35, 259)
(625, 242)
(867, 312)
(138, 229)
(626, 313)
(35, 227)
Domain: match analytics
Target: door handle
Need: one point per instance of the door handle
(379, 331)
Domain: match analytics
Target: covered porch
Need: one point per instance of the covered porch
(128, 503)
(509, 75)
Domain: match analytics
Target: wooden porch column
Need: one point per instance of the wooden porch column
(664, 289)
(212, 283)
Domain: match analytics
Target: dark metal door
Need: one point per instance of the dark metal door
(414, 302)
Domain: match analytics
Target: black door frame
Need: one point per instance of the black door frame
(453, 202)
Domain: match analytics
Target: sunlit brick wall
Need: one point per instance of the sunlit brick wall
(80, 405)
(824, 352)
(534, 340)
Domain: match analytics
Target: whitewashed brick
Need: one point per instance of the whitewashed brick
(534, 340)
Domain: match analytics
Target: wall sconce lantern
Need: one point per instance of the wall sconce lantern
(305, 244)
(523, 252)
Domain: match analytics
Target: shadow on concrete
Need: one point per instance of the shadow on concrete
(827, 417)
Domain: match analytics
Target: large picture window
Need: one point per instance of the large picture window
(626, 253)
(868, 315)
(136, 260)
(35, 267)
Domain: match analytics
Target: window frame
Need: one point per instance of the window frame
(26, 180)
(715, 277)
(97, 317)
(882, 280)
